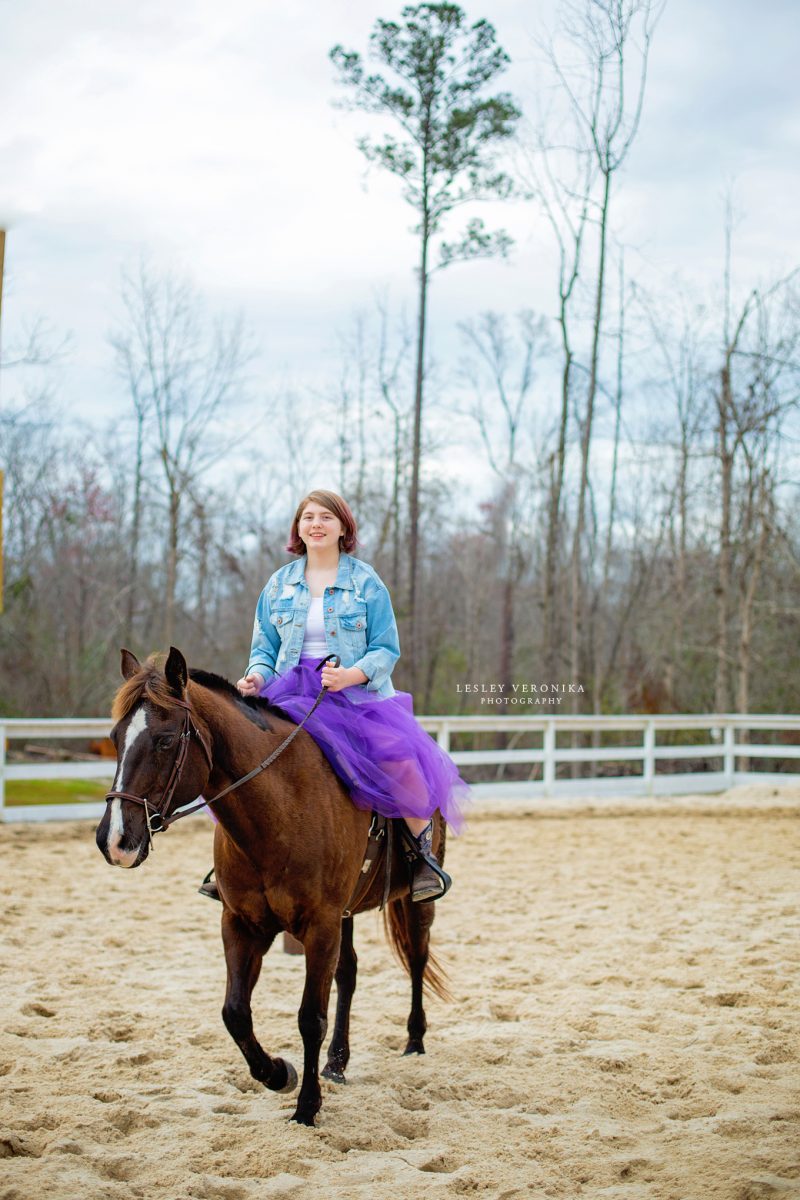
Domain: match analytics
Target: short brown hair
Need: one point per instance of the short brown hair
(335, 504)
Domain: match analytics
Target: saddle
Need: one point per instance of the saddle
(381, 837)
(380, 848)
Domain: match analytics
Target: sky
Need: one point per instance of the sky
(204, 135)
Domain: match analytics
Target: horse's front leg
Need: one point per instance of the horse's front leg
(339, 1048)
(321, 943)
(244, 953)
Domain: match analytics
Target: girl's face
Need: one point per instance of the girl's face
(319, 526)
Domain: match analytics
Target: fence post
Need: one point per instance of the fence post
(549, 766)
(728, 753)
(744, 738)
(443, 736)
(2, 768)
(649, 767)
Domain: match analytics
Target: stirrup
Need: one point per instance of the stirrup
(209, 887)
(442, 879)
(414, 852)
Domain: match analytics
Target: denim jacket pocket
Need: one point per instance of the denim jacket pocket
(353, 626)
(282, 618)
(355, 619)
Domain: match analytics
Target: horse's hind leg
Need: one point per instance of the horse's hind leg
(243, 955)
(339, 1048)
(418, 920)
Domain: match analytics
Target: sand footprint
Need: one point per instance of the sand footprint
(413, 1102)
(204, 1040)
(120, 1169)
(410, 1127)
(130, 1120)
(439, 1164)
(217, 1189)
(37, 1010)
(14, 1146)
(728, 999)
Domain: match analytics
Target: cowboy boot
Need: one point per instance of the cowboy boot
(428, 880)
(209, 887)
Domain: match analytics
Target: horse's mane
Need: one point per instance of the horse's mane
(254, 708)
(150, 683)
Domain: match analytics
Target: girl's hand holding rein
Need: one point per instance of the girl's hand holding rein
(250, 685)
(336, 678)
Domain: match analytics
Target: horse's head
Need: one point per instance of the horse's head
(162, 755)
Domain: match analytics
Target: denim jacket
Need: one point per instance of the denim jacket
(359, 622)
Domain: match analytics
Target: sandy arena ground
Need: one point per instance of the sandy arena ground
(625, 1022)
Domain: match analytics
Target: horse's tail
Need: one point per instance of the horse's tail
(406, 927)
(396, 921)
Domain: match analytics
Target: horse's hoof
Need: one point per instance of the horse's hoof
(414, 1046)
(333, 1073)
(303, 1117)
(291, 1079)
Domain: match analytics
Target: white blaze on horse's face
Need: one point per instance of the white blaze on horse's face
(116, 824)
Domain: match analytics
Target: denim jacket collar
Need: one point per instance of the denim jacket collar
(344, 576)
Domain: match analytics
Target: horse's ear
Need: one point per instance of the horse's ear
(176, 672)
(129, 664)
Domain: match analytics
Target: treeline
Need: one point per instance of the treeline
(630, 522)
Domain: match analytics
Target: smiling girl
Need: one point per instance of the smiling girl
(328, 602)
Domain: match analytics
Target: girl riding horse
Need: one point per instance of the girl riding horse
(326, 603)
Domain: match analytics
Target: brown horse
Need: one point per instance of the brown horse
(288, 852)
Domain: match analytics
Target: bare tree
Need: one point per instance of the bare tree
(373, 416)
(133, 369)
(500, 373)
(560, 181)
(602, 72)
(770, 392)
(683, 432)
(187, 376)
(604, 664)
(726, 446)
(350, 409)
(390, 366)
(449, 130)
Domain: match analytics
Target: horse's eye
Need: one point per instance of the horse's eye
(164, 743)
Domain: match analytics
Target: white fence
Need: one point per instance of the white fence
(730, 739)
(23, 729)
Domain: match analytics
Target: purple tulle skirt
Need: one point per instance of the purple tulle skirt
(375, 745)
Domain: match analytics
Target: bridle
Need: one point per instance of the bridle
(158, 815)
(157, 812)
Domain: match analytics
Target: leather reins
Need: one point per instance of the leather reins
(160, 810)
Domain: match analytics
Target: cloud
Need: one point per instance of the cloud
(206, 133)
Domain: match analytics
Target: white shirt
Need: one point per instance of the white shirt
(314, 644)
